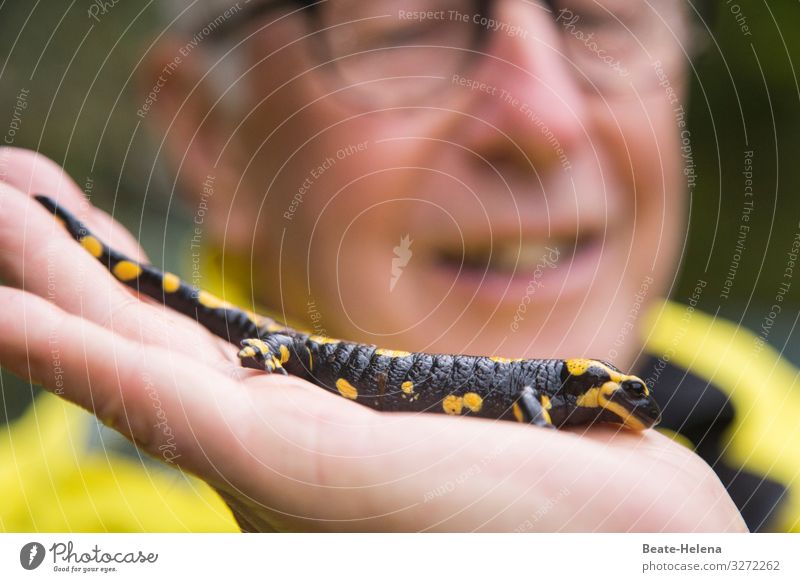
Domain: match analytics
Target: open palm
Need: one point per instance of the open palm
(286, 455)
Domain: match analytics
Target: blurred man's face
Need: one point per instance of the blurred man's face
(518, 196)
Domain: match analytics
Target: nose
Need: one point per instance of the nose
(537, 114)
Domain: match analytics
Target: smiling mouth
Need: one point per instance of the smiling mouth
(515, 257)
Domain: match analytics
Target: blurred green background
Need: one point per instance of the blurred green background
(79, 83)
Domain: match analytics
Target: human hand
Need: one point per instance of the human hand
(286, 455)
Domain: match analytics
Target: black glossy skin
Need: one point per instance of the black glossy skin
(378, 378)
(542, 392)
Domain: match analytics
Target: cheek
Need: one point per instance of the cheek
(661, 227)
(644, 138)
(348, 230)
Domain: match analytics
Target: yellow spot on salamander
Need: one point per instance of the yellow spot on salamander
(285, 355)
(453, 404)
(503, 360)
(407, 387)
(392, 353)
(259, 345)
(517, 412)
(346, 389)
(546, 404)
(625, 416)
(614, 376)
(126, 271)
(589, 398)
(473, 401)
(94, 246)
(171, 283)
(206, 299)
(321, 339)
(578, 366)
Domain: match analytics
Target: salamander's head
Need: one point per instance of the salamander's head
(602, 390)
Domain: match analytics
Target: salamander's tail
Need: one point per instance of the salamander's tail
(220, 317)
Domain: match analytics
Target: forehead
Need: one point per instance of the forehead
(580, 366)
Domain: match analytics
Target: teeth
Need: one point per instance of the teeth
(522, 257)
(532, 254)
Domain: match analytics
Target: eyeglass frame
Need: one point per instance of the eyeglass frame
(311, 14)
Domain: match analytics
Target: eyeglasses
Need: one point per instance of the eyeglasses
(391, 53)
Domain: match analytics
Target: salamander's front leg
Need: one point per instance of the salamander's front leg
(530, 407)
(257, 354)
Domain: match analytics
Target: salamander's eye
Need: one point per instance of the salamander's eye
(635, 387)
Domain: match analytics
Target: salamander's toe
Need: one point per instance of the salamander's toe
(257, 354)
(247, 352)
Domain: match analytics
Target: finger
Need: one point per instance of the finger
(32, 173)
(38, 255)
(248, 519)
(174, 408)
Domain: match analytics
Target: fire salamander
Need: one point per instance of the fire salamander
(547, 393)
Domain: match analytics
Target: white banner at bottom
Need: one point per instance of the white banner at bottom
(389, 557)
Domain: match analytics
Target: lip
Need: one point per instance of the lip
(576, 266)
